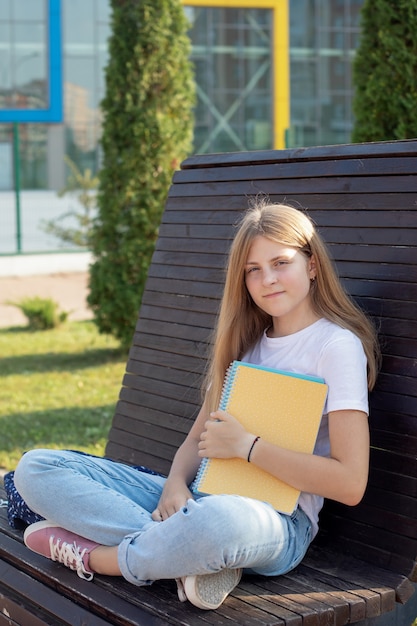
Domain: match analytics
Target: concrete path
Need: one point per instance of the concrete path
(64, 278)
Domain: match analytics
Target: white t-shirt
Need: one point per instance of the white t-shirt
(333, 353)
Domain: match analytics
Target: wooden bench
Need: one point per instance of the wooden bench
(364, 199)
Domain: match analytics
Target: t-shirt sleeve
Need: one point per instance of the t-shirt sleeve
(343, 367)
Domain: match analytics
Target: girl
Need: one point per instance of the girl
(283, 307)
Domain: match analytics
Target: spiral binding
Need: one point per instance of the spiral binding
(227, 389)
(228, 385)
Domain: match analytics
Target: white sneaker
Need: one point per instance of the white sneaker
(208, 591)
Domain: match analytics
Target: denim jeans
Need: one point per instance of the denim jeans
(111, 504)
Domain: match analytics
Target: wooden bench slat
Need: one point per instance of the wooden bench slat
(165, 405)
(398, 346)
(288, 605)
(289, 186)
(50, 607)
(185, 287)
(143, 368)
(152, 416)
(206, 274)
(383, 149)
(396, 521)
(176, 316)
(182, 347)
(398, 484)
(349, 606)
(389, 442)
(387, 401)
(394, 462)
(406, 297)
(387, 311)
(375, 255)
(175, 330)
(170, 360)
(393, 483)
(209, 225)
(291, 585)
(163, 389)
(397, 511)
(177, 301)
(195, 259)
(384, 423)
(357, 572)
(180, 208)
(304, 169)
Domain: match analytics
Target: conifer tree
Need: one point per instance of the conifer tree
(385, 72)
(147, 132)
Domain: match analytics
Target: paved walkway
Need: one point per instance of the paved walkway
(69, 290)
(65, 280)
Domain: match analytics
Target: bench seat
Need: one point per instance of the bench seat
(363, 562)
(323, 590)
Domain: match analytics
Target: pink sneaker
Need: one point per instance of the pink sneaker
(60, 545)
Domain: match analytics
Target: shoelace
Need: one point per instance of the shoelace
(71, 555)
(182, 596)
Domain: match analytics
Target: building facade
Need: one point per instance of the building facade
(269, 74)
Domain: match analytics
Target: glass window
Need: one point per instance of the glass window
(23, 84)
(302, 26)
(5, 58)
(33, 156)
(232, 51)
(323, 38)
(29, 64)
(86, 33)
(79, 22)
(35, 10)
(23, 50)
(6, 159)
(103, 10)
(5, 10)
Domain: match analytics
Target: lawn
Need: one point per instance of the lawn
(58, 389)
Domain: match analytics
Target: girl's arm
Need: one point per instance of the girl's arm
(342, 477)
(183, 470)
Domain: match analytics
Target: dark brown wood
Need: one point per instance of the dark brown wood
(364, 200)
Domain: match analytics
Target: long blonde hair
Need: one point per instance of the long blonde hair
(241, 323)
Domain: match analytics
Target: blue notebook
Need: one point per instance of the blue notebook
(281, 407)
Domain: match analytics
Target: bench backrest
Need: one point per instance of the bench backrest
(364, 200)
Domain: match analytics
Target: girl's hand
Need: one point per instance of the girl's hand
(224, 438)
(174, 496)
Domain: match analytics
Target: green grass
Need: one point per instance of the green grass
(58, 389)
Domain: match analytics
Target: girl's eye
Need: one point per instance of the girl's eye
(250, 270)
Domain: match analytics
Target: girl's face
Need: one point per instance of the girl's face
(278, 279)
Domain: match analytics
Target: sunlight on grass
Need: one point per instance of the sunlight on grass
(58, 389)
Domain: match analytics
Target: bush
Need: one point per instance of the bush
(147, 132)
(385, 72)
(42, 313)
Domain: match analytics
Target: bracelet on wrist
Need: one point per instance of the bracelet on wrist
(251, 448)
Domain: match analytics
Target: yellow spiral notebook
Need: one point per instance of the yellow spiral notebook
(282, 408)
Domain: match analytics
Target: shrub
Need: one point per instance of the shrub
(385, 72)
(147, 131)
(42, 313)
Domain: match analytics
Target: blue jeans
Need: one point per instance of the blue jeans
(111, 504)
